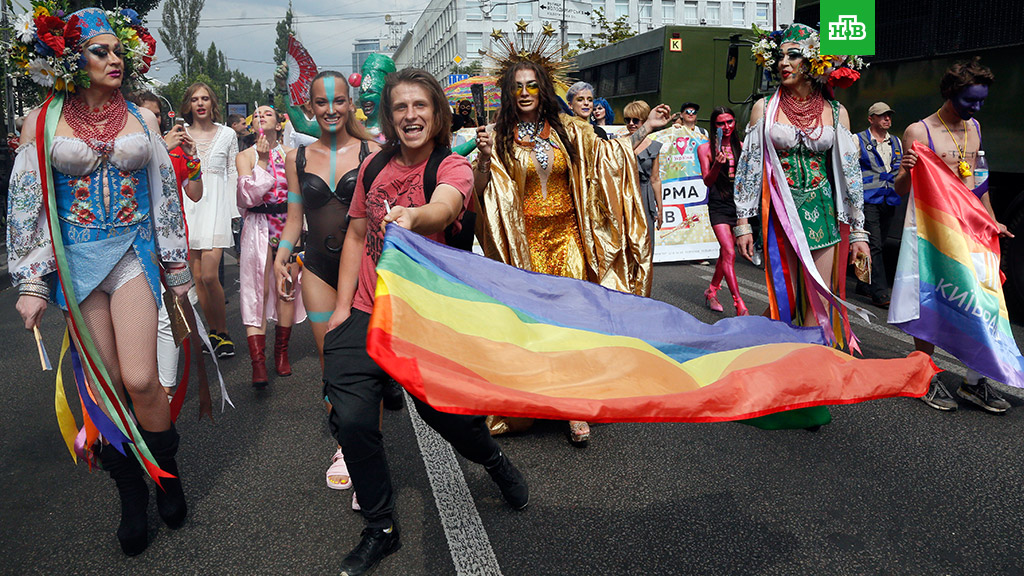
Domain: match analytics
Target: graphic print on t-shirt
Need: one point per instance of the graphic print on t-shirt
(407, 192)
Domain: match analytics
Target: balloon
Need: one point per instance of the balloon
(355, 79)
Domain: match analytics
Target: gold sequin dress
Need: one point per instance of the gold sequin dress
(582, 220)
(550, 217)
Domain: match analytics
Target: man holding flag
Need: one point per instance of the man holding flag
(948, 284)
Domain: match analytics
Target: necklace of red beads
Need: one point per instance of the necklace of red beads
(97, 127)
(804, 113)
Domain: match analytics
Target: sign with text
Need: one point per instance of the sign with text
(574, 11)
(685, 232)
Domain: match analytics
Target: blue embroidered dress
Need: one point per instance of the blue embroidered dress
(140, 211)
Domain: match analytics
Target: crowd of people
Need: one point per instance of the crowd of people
(141, 212)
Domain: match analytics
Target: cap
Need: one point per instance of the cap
(879, 108)
(694, 105)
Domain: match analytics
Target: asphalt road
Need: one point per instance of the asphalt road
(890, 487)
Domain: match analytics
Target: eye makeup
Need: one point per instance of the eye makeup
(532, 88)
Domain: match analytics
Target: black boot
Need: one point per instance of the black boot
(170, 501)
(131, 487)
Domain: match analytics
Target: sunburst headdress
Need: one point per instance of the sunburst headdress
(543, 51)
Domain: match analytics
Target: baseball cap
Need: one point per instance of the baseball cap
(879, 108)
(694, 105)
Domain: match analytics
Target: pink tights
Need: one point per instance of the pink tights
(726, 261)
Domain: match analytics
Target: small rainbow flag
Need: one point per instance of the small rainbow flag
(948, 287)
(470, 335)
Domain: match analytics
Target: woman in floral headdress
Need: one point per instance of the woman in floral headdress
(799, 140)
(554, 197)
(96, 226)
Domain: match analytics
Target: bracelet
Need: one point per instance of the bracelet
(294, 198)
(285, 245)
(483, 167)
(742, 230)
(34, 287)
(859, 236)
(179, 278)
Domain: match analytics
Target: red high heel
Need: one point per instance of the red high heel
(711, 299)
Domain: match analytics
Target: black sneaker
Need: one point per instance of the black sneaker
(984, 396)
(225, 348)
(376, 543)
(938, 397)
(214, 341)
(511, 483)
(394, 397)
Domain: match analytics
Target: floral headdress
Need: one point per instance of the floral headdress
(835, 71)
(46, 44)
(543, 51)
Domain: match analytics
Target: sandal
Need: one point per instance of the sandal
(579, 432)
(337, 469)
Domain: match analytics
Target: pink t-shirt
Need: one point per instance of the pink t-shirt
(400, 186)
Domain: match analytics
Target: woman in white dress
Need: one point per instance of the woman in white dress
(209, 220)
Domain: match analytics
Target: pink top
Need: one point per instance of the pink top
(400, 186)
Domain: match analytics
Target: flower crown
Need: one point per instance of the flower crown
(834, 71)
(542, 51)
(45, 44)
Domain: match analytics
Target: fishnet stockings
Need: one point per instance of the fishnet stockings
(123, 327)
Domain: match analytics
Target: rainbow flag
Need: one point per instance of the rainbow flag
(948, 288)
(470, 335)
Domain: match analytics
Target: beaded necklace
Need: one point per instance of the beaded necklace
(85, 122)
(528, 133)
(804, 114)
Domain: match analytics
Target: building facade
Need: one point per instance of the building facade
(454, 33)
(362, 48)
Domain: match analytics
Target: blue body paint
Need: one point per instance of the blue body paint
(329, 89)
(319, 316)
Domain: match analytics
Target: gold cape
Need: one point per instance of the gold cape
(609, 210)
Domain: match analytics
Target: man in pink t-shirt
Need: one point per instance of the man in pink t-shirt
(415, 119)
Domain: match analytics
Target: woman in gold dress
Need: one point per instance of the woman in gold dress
(554, 197)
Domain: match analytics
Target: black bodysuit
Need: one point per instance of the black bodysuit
(326, 216)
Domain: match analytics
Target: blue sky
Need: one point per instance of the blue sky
(245, 31)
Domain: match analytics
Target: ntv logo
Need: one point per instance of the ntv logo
(847, 28)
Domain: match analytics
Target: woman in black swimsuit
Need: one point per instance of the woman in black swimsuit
(311, 170)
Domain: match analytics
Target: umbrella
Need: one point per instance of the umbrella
(461, 91)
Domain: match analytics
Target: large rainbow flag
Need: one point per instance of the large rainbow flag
(948, 287)
(470, 335)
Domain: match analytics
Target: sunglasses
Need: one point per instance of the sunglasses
(689, 111)
(632, 120)
(532, 89)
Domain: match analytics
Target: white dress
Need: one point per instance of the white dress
(209, 220)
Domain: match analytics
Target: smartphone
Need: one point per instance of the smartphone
(179, 122)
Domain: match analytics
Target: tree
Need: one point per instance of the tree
(284, 28)
(474, 68)
(179, 30)
(611, 32)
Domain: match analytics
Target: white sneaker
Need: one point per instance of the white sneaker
(355, 503)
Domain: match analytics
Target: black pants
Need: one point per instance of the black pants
(354, 384)
(877, 219)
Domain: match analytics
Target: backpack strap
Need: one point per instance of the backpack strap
(430, 172)
(376, 165)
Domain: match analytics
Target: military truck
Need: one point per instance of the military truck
(671, 65)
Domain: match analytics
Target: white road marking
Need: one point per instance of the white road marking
(467, 539)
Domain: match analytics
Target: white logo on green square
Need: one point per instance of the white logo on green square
(848, 27)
